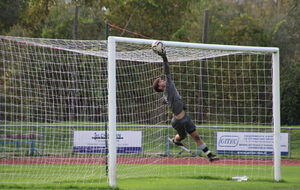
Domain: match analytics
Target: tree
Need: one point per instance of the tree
(287, 39)
(227, 25)
(32, 17)
(243, 30)
(152, 18)
(9, 13)
(254, 23)
(60, 23)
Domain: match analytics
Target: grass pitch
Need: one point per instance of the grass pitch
(11, 179)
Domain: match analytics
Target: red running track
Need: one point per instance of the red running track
(146, 160)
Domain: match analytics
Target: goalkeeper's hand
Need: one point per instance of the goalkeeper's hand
(162, 54)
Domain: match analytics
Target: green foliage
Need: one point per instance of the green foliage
(290, 96)
(19, 30)
(34, 14)
(9, 13)
(60, 23)
(254, 23)
(286, 37)
(51, 77)
(242, 30)
(153, 18)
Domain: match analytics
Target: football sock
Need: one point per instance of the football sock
(204, 148)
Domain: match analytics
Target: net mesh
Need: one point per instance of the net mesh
(53, 89)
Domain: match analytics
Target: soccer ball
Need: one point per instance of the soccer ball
(158, 47)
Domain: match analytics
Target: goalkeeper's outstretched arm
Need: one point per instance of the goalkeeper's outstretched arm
(166, 62)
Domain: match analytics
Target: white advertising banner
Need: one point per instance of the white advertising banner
(249, 143)
(95, 142)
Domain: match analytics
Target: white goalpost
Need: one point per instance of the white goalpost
(63, 100)
(113, 56)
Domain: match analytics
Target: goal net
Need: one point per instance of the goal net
(61, 100)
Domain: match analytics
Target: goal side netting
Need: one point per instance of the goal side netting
(61, 100)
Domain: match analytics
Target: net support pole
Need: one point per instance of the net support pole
(276, 116)
(112, 111)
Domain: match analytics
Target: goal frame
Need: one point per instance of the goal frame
(112, 106)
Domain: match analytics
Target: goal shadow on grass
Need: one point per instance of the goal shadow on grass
(227, 178)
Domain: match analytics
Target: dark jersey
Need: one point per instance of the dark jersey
(171, 94)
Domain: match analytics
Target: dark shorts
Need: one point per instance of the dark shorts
(183, 126)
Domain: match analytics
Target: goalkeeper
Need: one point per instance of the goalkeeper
(181, 121)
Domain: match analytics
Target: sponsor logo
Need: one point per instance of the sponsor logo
(228, 141)
(100, 136)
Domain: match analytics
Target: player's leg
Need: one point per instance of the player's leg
(181, 131)
(191, 129)
(196, 138)
(203, 146)
(177, 140)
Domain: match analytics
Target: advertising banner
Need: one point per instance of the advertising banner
(254, 143)
(95, 141)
